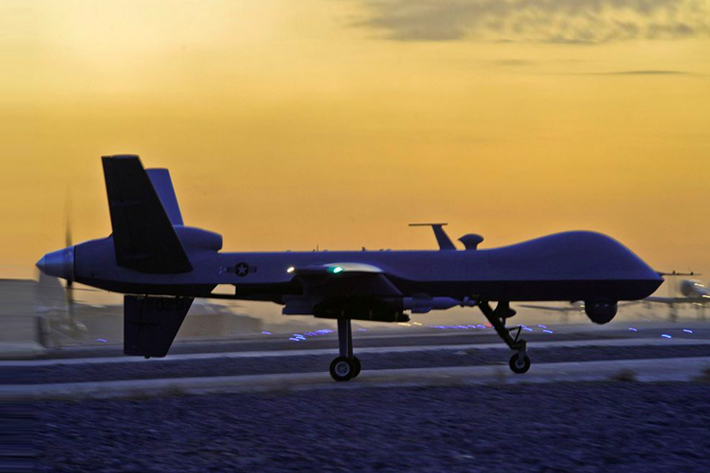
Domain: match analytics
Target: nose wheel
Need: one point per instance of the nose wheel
(346, 366)
(519, 363)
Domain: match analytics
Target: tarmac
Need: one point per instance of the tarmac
(655, 370)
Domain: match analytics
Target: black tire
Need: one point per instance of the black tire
(357, 366)
(342, 369)
(518, 366)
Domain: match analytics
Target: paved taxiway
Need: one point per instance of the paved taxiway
(653, 370)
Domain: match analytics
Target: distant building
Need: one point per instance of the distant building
(19, 326)
(36, 315)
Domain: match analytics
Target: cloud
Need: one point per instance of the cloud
(514, 63)
(550, 21)
(639, 73)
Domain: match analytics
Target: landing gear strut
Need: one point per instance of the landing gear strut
(519, 362)
(346, 366)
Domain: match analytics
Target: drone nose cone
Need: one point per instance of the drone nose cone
(40, 264)
(59, 263)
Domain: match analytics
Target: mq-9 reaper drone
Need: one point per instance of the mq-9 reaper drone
(161, 265)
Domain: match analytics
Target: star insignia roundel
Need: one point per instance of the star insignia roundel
(242, 269)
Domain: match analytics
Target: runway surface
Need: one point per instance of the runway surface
(384, 355)
(595, 399)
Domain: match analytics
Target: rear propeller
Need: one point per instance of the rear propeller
(56, 305)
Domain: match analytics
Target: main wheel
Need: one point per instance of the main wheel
(342, 369)
(519, 364)
(357, 366)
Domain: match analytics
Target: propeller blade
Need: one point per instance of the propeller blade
(67, 219)
(69, 291)
(68, 236)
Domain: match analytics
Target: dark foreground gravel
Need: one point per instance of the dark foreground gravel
(590, 427)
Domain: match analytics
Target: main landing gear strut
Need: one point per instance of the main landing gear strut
(346, 366)
(519, 362)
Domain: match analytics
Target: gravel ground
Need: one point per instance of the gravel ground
(314, 363)
(588, 427)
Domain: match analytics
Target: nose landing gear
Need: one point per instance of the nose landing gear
(520, 362)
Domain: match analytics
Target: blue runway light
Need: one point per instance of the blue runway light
(631, 329)
(362, 330)
(548, 331)
(665, 335)
(528, 329)
(542, 326)
(687, 330)
(102, 340)
(266, 333)
(295, 339)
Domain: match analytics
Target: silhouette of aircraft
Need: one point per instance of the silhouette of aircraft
(692, 291)
(160, 265)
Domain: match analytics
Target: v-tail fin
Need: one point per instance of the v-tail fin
(143, 233)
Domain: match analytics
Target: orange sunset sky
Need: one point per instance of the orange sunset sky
(288, 124)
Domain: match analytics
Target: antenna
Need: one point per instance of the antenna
(441, 237)
(675, 273)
